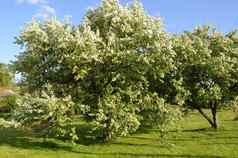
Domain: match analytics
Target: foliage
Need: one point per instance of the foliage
(8, 124)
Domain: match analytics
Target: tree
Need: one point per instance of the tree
(207, 68)
(5, 76)
(7, 96)
(103, 65)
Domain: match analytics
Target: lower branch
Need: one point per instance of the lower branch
(206, 117)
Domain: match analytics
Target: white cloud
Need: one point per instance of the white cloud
(48, 9)
(45, 10)
(36, 2)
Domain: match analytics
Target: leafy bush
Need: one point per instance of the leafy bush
(8, 103)
(157, 113)
(45, 114)
(8, 124)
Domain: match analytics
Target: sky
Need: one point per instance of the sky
(177, 15)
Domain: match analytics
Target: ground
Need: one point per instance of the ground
(194, 140)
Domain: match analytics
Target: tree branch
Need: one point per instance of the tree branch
(205, 116)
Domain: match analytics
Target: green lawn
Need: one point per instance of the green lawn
(195, 140)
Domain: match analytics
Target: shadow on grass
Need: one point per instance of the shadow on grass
(19, 139)
(145, 130)
(156, 145)
(207, 133)
(227, 144)
(192, 138)
(122, 154)
(197, 130)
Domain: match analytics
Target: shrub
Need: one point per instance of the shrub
(8, 103)
(45, 114)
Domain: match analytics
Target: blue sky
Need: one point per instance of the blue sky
(178, 15)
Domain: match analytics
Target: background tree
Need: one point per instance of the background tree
(5, 76)
(207, 66)
(7, 96)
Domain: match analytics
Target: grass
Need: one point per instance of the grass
(194, 140)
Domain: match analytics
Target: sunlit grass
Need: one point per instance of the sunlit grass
(194, 140)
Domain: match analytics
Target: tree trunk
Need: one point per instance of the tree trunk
(214, 117)
(214, 121)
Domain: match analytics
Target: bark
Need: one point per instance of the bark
(214, 117)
